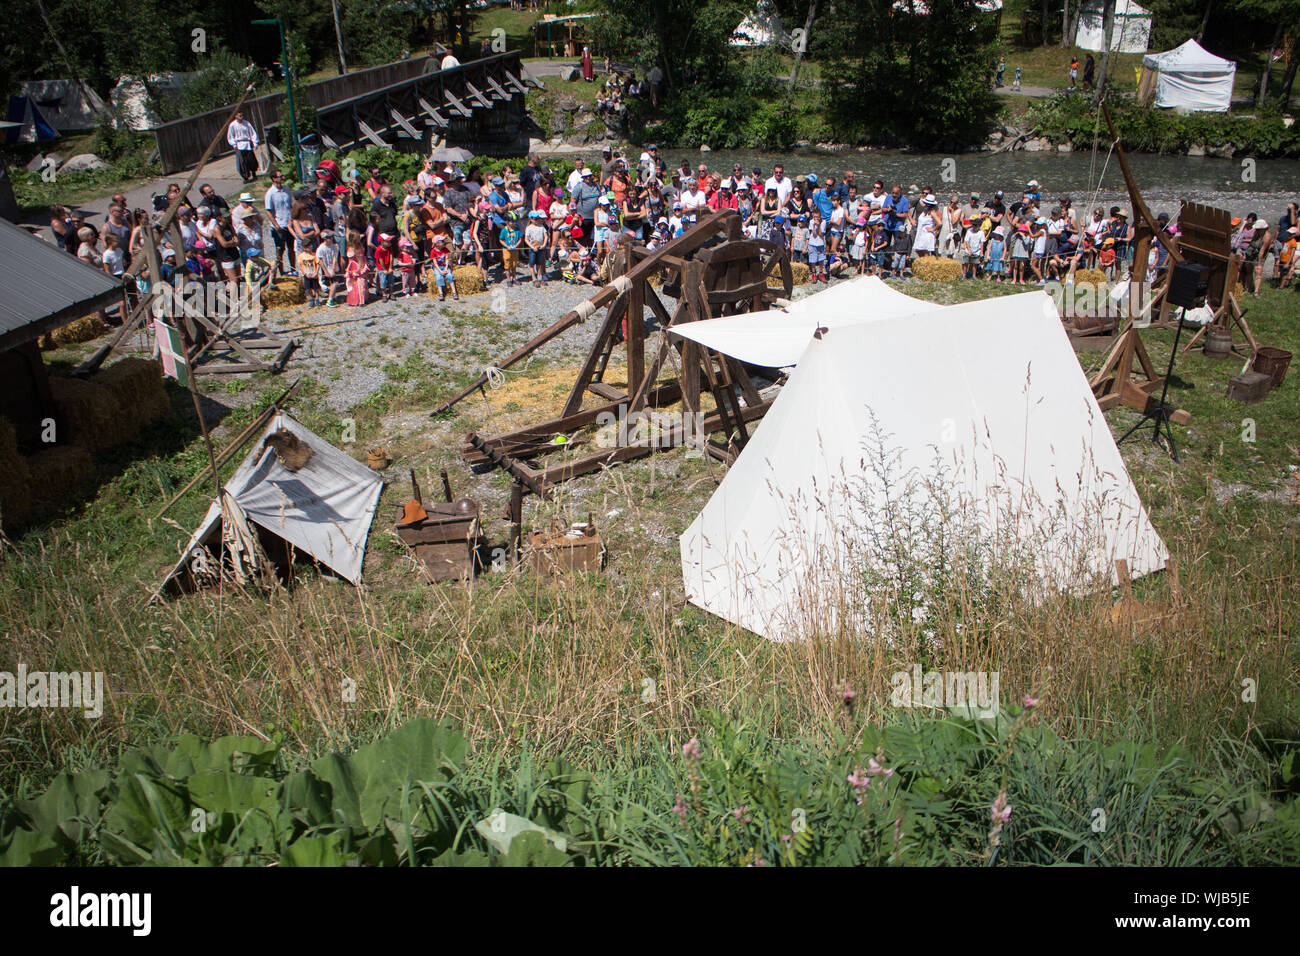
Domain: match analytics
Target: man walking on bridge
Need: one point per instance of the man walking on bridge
(242, 136)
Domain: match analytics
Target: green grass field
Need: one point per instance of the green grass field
(528, 671)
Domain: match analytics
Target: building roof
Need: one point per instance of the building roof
(42, 287)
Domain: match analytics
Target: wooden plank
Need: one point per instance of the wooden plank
(476, 94)
(513, 81)
(497, 88)
(371, 135)
(403, 122)
(636, 337)
(456, 104)
(437, 118)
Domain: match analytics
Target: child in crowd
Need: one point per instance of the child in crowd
(358, 273)
(406, 265)
(536, 239)
(817, 247)
(309, 270)
(799, 240)
(879, 247)
(1020, 247)
(974, 246)
(440, 266)
(1106, 258)
(997, 248)
(328, 255)
(384, 266)
(858, 248)
(511, 238)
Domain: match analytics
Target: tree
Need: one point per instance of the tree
(899, 76)
(1107, 29)
(803, 46)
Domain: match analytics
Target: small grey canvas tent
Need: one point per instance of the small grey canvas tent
(69, 106)
(322, 510)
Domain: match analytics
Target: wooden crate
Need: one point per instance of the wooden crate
(444, 544)
(553, 552)
(1249, 387)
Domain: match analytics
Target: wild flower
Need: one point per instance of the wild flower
(691, 749)
(680, 808)
(1029, 702)
(741, 813)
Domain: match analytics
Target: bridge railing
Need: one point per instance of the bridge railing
(181, 142)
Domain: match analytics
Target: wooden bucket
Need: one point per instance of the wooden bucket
(1218, 342)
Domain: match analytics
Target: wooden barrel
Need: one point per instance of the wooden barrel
(1218, 342)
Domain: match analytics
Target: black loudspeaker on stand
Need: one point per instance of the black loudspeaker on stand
(1188, 287)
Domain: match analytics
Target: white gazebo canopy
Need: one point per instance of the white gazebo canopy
(1192, 78)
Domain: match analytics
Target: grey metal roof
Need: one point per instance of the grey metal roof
(42, 287)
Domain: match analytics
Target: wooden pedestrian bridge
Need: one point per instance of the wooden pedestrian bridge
(406, 105)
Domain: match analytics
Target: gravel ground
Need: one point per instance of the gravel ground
(463, 336)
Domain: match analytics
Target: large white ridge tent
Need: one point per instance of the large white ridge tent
(323, 509)
(1189, 77)
(989, 393)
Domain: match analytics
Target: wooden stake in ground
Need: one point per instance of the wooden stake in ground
(198, 410)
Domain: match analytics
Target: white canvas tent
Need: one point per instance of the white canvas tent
(777, 338)
(323, 510)
(1002, 409)
(1190, 77)
(760, 28)
(1131, 32)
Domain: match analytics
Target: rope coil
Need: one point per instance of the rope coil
(495, 376)
(584, 310)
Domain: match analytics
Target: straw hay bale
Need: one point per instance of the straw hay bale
(15, 480)
(80, 330)
(283, 293)
(91, 414)
(469, 281)
(799, 273)
(138, 385)
(55, 471)
(936, 269)
(1095, 277)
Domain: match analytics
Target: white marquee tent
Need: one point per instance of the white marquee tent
(777, 338)
(1131, 32)
(1190, 77)
(989, 394)
(323, 509)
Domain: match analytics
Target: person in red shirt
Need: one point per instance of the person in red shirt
(723, 198)
(384, 265)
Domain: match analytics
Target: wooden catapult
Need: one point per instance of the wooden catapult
(213, 344)
(1115, 382)
(711, 271)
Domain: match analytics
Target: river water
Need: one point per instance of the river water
(1164, 180)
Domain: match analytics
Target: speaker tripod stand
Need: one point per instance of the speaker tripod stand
(1160, 413)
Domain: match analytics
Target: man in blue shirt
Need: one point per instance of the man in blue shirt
(822, 199)
(896, 208)
(279, 203)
